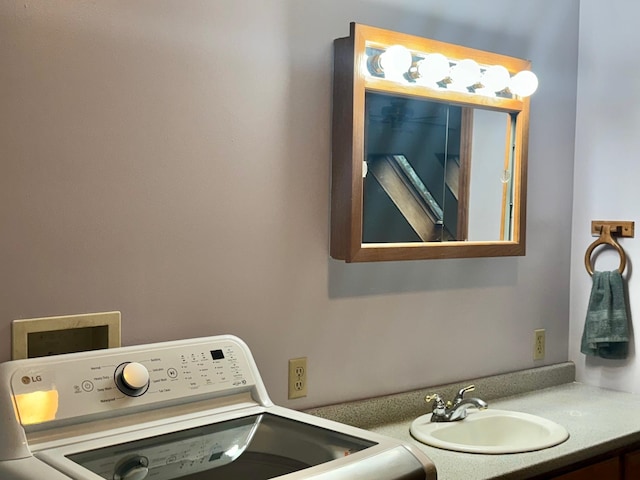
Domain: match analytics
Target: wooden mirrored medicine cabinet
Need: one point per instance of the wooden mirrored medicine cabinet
(426, 163)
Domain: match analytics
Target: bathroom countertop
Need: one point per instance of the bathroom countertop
(598, 421)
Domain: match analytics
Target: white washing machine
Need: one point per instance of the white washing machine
(190, 409)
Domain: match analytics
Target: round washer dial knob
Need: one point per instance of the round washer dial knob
(138, 473)
(135, 375)
(134, 468)
(132, 378)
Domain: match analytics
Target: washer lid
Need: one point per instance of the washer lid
(254, 447)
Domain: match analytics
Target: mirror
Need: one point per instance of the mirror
(425, 169)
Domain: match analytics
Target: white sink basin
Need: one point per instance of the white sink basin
(490, 431)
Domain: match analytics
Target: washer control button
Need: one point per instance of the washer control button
(87, 386)
(132, 378)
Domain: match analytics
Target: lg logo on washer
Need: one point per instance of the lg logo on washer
(27, 379)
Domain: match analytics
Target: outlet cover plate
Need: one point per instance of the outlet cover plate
(297, 377)
(539, 344)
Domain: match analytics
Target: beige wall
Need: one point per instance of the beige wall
(607, 173)
(171, 159)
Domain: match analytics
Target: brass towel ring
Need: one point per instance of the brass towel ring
(605, 239)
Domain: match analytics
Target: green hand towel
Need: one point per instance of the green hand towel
(606, 330)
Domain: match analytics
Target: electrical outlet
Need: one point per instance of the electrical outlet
(298, 377)
(538, 344)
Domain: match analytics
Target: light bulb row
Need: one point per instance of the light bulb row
(434, 69)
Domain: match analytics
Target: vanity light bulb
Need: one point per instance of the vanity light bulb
(433, 68)
(396, 61)
(524, 83)
(466, 73)
(495, 78)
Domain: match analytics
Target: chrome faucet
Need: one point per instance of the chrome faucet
(456, 410)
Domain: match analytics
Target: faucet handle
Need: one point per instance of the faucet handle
(438, 402)
(462, 391)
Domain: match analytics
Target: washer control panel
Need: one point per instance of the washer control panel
(68, 386)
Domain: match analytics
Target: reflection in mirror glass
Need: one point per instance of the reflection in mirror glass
(436, 172)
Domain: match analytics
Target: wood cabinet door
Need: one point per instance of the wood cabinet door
(631, 464)
(605, 470)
